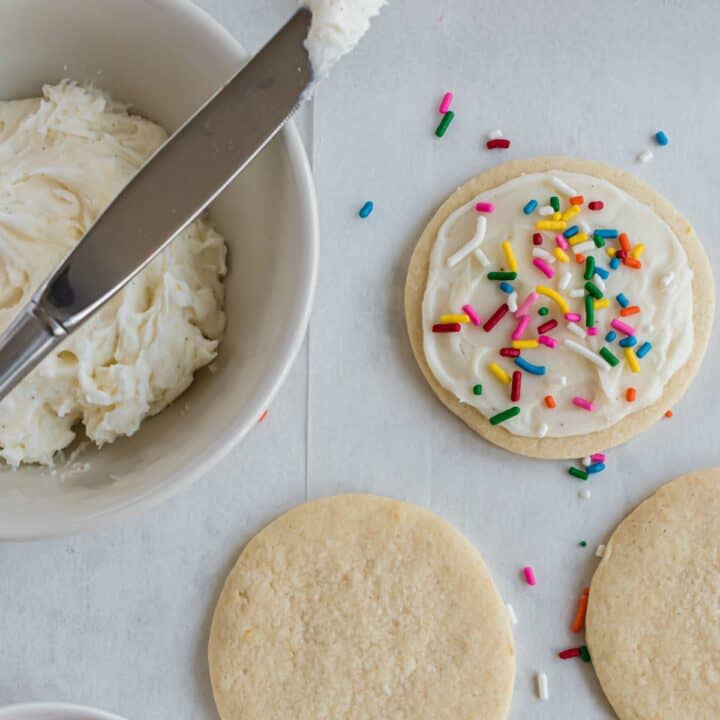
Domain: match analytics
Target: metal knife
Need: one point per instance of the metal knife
(217, 143)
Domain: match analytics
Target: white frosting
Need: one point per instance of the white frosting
(337, 27)
(63, 158)
(661, 288)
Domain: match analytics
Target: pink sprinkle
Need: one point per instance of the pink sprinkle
(526, 304)
(541, 265)
(529, 574)
(537, 239)
(561, 242)
(446, 101)
(573, 317)
(592, 331)
(548, 341)
(474, 317)
(484, 207)
(598, 457)
(523, 322)
(583, 403)
(623, 327)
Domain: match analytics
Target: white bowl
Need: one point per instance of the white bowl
(166, 57)
(53, 711)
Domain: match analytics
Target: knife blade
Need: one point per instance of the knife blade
(214, 146)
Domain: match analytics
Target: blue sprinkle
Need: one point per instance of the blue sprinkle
(610, 337)
(629, 341)
(615, 263)
(530, 207)
(529, 367)
(606, 233)
(366, 209)
(602, 272)
(571, 231)
(622, 300)
(661, 138)
(506, 287)
(595, 468)
(644, 349)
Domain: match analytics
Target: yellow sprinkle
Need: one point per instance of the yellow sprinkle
(637, 251)
(557, 216)
(561, 255)
(551, 225)
(553, 295)
(499, 373)
(599, 304)
(571, 212)
(510, 256)
(524, 344)
(455, 318)
(581, 237)
(610, 251)
(631, 359)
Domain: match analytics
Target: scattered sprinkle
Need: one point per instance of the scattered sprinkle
(511, 613)
(529, 574)
(484, 207)
(497, 144)
(543, 311)
(569, 653)
(470, 312)
(668, 413)
(583, 403)
(446, 327)
(530, 207)
(583, 543)
(504, 415)
(584, 494)
(542, 686)
(600, 551)
(529, 367)
(661, 138)
(445, 103)
(516, 386)
(477, 389)
(447, 118)
(263, 416)
(596, 205)
(462, 319)
(499, 373)
(494, 134)
(562, 186)
(645, 156)
(495, 318)
(579, 622)
(366, 209)
(576, 472)
(584, 653)
(631, 360)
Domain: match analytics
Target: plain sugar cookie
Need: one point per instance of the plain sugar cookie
(653, 618)
(361, 608)
(558, 306)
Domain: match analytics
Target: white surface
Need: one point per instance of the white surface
(120, 618)
(54, 711)
(272, 256)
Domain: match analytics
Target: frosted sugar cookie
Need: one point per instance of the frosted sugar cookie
(361, 607)
(558, 306)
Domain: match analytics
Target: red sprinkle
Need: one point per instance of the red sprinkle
(621, 255)
(547, 327)
(569, 653)
(537, 239)
(596, 205)
(495, 318)
(263, 416)
(503, 143)
(577, 200)
(516, 386)
(446, 327)
(510, 352)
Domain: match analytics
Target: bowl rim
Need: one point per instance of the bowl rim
(83, 712)
(223, 444)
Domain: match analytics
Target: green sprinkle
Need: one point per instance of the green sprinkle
(593, 289)
(502, 275)
(477, 389)
(504, 415)
(589, 311)
(579, 474)
(445, 123)
(589, 267)
(543, 311)
(555, 202)
(584, 653)
(583, 543)
(598, 240)
(609, 358)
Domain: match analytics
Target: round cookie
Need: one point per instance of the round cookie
(361, 607)
(653, 617)
(569, 441)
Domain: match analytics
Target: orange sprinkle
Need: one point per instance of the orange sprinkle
(668, 413)
(263, 416)
(579, 258)
(630, 310)
(579, 621)
(625, 242)
(550, 401)
(633, 263)
(630, 394)
(577, 200)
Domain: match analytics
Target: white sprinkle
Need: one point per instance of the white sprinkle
(587, 461)
(471, 245)
(511, 613)
(584, 494)
(512, 301)
(575, 328)
(577, 293)
(494, 134)
(544, 254)
(542, 686)
(584, 227)
(546, 210)
(600, 551)
(667, 278)
(650, 329)
(645, 156)
(565, 280)
(584, 247)
(482, 257)
(543, 430)
(600, 283)
(586, 353)
(562, 380)
(562, 186)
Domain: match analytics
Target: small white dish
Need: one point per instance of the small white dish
(165, 57)
(54, 711)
